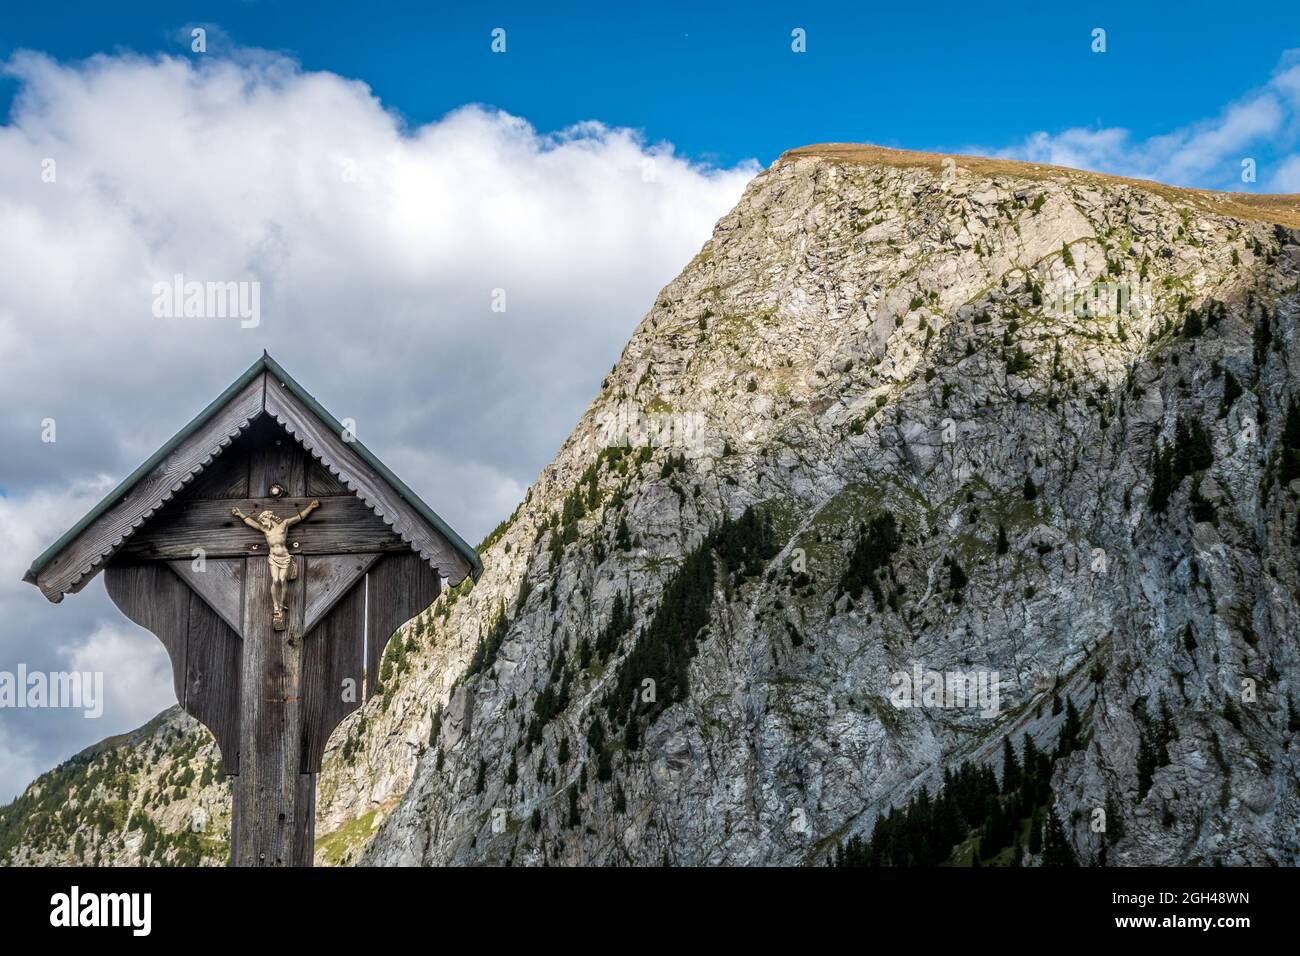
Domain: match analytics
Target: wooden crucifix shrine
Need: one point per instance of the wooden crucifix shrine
(273, 556)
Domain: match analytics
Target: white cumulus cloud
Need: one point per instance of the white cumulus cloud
(380, 249)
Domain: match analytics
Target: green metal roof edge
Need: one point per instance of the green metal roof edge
(407, 495)
(268, 364)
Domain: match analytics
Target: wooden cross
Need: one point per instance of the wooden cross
(269, 660)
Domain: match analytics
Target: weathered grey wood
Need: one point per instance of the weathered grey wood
(279, 459)
(321, 483)
(328, 578)
(342, 525)
(333, 672)
(227, 476)
(158, 601)
(339, 458)
(220, 584)
(70, 570)
(267, 788)
(213, 678)
(204, 651)
(305, 837)
(399, 587)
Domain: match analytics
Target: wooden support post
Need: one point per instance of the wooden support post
(305, 838)
(273, 800)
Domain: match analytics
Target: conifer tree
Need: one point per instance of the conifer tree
(947, 825)
(1162, 480)
(1262, 338)
(1036, 833)
(736, 550)
(878, 538)
(1029, 771)
(994, 832)
(632, 734)
(1146, 760)
(1057, 850)
(1010, 767)
(1289, 465)
(1071, 727)
(575, 817)
(1192, 449)
(1168, 729)
(1114, 819)
(596, 734)
(957, 579)
(1232, 391)
(1230, 714)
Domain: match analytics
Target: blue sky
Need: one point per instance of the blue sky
(720, 82)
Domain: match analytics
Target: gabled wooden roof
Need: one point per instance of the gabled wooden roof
(265, 388)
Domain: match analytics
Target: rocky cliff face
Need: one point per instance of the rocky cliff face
(904, 416)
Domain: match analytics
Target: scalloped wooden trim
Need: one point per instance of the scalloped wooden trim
(85, 556)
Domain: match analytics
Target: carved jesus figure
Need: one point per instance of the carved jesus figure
(278, 556)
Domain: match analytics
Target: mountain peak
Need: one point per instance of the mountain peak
(1278, 208)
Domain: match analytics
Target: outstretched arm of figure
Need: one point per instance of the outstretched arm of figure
(303, 514)
(246, 519)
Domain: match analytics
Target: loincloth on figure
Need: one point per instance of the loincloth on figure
(284, 562)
